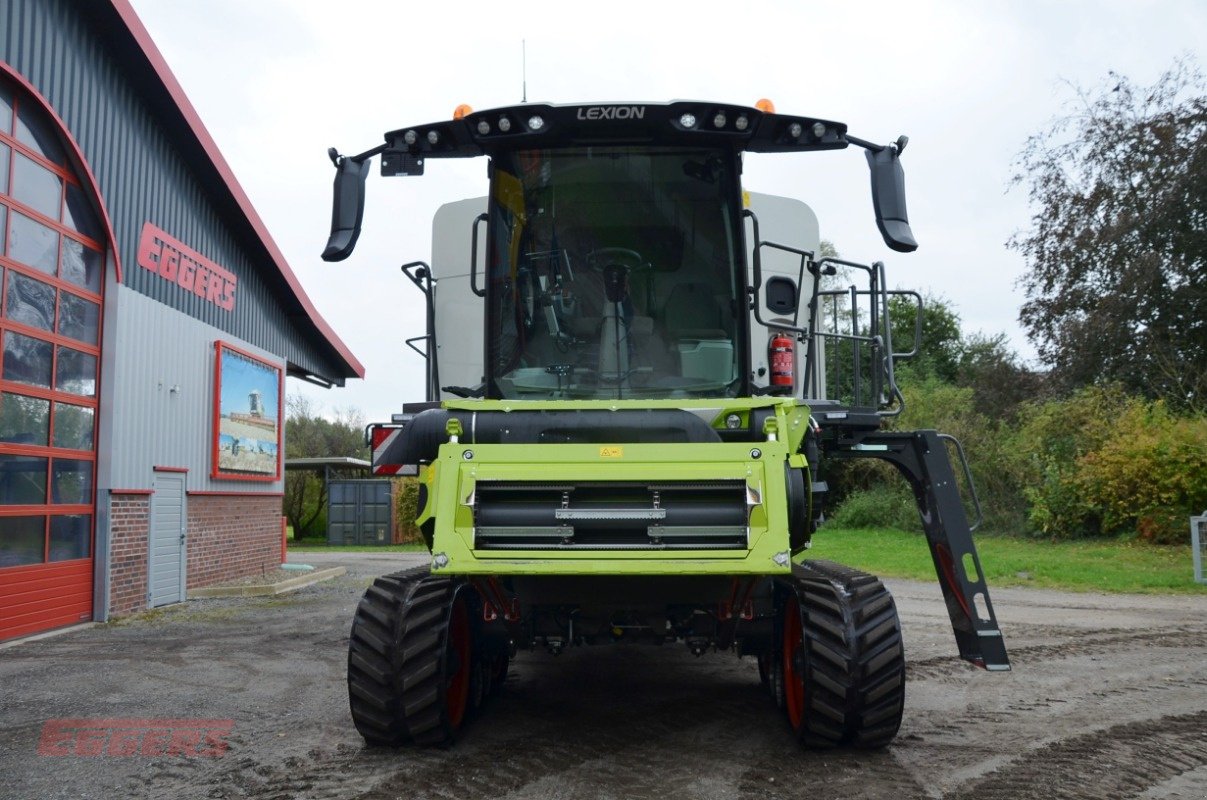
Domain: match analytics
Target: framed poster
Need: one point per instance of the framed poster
(247, 416)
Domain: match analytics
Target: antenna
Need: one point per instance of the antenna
(524, 67)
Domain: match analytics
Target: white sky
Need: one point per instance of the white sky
(279, 81)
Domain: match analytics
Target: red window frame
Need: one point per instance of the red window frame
(67, 174)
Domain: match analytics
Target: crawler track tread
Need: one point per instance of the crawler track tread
(854, 661)
(396, 660)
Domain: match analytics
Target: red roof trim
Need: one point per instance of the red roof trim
(140, 34)
(111, 245)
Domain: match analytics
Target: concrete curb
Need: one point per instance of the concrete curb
(265, 590)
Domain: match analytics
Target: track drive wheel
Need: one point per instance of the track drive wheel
(841, 656)
(410, 659)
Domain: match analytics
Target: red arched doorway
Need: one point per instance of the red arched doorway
(53, 248)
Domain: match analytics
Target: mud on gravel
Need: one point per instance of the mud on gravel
(1108, 699)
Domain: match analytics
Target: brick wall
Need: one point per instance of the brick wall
(130, 521)
(232, 536)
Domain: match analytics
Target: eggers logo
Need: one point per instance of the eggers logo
(193, 738)
(176, 262)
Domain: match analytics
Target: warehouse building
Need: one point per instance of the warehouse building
(147, 321)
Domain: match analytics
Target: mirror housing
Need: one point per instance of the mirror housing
(348, 206)
(888, 198)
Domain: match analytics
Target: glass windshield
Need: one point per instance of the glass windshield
(612, 274)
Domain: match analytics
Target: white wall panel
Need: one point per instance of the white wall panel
(162, 387)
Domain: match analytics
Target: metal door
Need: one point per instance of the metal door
(358, 512)
(165, 571)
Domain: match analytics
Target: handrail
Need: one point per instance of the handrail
(473, 256)
(976, 500)
(420, 274)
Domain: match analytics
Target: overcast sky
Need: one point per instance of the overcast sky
(279, 81)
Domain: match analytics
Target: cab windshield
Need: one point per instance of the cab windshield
(611, 274)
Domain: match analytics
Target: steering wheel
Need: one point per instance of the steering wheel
(616, 264)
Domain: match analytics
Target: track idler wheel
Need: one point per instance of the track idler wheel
(411, 659)
(841, 657)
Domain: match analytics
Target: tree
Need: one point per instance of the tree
(939, 345)
(1115, 285)
(310, 435)
(1000, 383)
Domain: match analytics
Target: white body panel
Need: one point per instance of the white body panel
(788, 222)
(460, 314)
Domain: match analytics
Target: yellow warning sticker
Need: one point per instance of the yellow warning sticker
(611, 452)
(745, 199)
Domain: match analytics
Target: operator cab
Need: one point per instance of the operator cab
(616, 256)
(614, 272)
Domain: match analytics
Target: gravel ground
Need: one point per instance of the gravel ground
(1108, 699)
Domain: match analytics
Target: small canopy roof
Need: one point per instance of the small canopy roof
(334, 462)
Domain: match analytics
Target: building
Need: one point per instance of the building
(147, 320)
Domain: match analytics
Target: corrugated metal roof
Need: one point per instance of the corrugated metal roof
(147, 58)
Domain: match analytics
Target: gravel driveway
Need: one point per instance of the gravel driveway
(1108, 698)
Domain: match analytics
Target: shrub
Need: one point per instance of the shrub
(1102, 462)
(933, 404)
(886, 505)
(1150, 477)
(406, 507)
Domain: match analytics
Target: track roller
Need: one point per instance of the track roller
(416, 667)
(841, 657)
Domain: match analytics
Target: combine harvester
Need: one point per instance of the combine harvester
(635, 453)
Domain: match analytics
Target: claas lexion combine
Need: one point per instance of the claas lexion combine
(626, 426)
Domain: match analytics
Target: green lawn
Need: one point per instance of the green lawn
(321, 546)
(1097, 566)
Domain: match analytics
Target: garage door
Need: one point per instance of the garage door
(51, 266)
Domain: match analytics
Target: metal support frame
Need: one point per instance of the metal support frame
(1198, 528)
(922, 457)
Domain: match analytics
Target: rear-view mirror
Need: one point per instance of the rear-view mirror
(888, 199)
(348, 207)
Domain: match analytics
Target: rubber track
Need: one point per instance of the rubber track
(394, 660)
(854, 658)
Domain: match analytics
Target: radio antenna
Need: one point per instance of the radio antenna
(524, 67)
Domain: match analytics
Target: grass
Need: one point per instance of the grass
(321, 546)
(318, 544)
(1083, 566)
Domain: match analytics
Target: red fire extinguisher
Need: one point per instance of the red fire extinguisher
(782, 360)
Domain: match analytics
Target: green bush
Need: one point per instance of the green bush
(886, 505)
(1150, 477)
(406, 508)
(932, 404)
(1104, 463)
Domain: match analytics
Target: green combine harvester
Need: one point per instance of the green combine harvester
(633, 392)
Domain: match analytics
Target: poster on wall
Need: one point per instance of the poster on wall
(247, 416)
